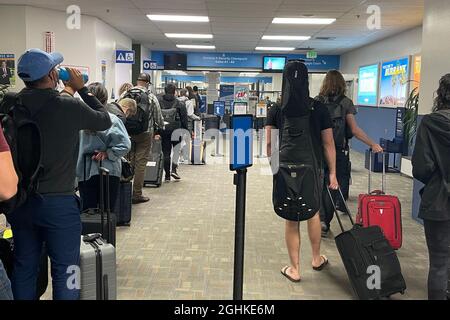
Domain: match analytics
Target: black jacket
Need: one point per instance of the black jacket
(431, 165)
(60, 119)
(168, 101)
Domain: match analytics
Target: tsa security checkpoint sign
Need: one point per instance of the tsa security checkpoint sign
(125, 56)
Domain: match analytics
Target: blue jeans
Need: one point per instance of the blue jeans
(5, 285)
(54, 220)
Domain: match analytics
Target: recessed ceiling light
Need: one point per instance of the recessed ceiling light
(192, 46)
(189, 35)
(275, 48)
(173, 18)
(303, 20)
(301, 38)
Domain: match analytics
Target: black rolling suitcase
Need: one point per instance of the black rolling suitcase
(155, 167)
(123, 207)
(371, 264)
(93, 220)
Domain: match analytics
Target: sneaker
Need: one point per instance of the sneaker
(167, 179)
(175, 176)
(140, 199)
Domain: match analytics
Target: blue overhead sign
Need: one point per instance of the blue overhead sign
(125, 56)
(149, 65)
(247, 60)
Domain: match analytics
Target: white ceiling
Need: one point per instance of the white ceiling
(238, 25)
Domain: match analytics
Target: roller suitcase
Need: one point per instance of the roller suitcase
(198, 152)
(372, 265)
(98, 278)
(378, 209)
(155, 167)
(123, 207)
(94, 221)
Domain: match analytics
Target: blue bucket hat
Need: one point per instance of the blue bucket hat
(35, 64)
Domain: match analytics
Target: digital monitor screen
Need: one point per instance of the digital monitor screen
(394, 84)
(240, 108)
(274, 64)
(241, 155)
(368, 85)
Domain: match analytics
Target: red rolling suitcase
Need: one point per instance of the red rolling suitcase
(379, 209)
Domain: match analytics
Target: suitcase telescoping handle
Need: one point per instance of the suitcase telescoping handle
(104, 180)
(347, 210)
(383, 178)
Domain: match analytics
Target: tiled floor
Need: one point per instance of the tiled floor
(180, 245)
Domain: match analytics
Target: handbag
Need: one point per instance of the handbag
(127, 170)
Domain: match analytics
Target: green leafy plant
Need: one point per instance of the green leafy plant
(410, 118)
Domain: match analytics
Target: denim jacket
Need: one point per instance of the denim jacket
(114, 141)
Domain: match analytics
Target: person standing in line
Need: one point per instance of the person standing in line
(341, 108)
(175, 118)
(8, 188)
(189, 102)
(53, 214)
(198, 100)
(322, 138)
(142, 128)
(431, 159)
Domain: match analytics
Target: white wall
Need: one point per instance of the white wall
(24, 27)
(403, 44)
(435, 53)
(12, 26)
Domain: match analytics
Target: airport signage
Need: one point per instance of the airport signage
(125, 56)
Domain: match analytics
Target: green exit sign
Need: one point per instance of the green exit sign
(311, 55)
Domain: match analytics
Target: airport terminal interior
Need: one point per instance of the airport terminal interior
(180, 245)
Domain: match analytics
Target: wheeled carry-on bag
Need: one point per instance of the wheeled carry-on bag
(155, 167)
(123, 207)
(371, 264)
(98, 278)
(93, 220)
(378, 209)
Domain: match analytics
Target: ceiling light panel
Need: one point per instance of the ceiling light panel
(191, 46)
(189, 35)
(275, 48)
(175, 18)
(303, 21)
(287, 38)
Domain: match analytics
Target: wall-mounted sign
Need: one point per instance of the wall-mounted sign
(149, 65)
(125, 56)
(368, 85)
(241, 93)
(394, 82)
(311, 54)
(261, 110)
(417, 70)
(7, 69)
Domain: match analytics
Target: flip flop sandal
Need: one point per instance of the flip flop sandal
(323, 265)
(284, 273)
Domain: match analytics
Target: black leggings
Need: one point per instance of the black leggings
(343, 173)
(167, 146)
(438, 241)
(90, 192)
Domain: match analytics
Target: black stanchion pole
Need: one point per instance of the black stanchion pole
(240, 180)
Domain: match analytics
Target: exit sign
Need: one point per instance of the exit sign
(311, 55)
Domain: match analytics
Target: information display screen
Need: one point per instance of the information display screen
(368, 85)
(241, 155)
(274, 64)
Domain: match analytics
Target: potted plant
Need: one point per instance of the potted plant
(410, 120)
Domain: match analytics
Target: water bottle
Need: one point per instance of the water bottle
(64, 75)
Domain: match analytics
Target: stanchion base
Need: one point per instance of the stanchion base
(217, 155)
(261, 157)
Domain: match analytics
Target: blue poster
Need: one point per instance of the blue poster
(227, 95)
(394, 83)
(368, 85)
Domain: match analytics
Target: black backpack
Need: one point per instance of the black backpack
(297, 184)
(24, 139)
(171, 117)
(337, 113)
(139, 123)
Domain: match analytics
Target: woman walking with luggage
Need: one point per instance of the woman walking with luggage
(342, 112)
(430, 161)
(101, 149)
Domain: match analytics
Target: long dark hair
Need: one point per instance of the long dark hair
(442, 100)
(99, 91)
(333, 84)
(191, 92)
